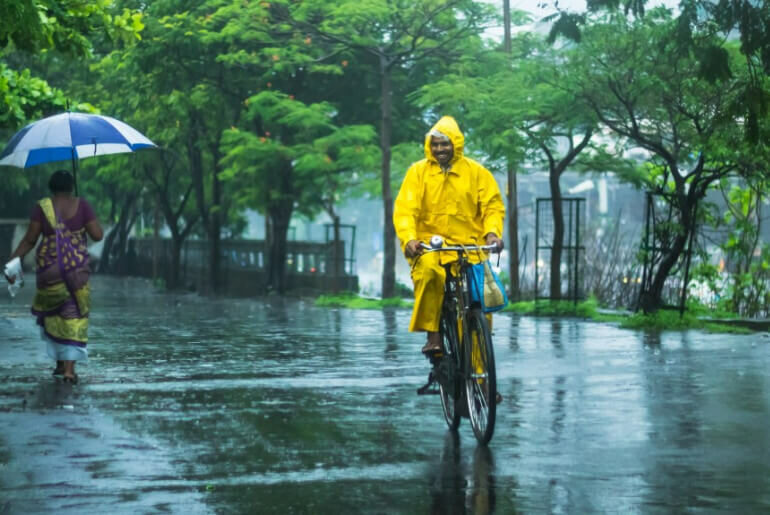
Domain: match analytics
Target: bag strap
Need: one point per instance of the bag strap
(46, 205)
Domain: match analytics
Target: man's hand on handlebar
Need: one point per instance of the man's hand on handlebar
(413, 248)
(492, 239)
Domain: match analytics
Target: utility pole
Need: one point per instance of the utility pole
(512, 189)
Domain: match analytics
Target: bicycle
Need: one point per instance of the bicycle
(464, 370)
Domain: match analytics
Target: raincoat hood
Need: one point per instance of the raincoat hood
(446, 125)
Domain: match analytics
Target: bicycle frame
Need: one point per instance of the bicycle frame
(461, 280)
(460, 324)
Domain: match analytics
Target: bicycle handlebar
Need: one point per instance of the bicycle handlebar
(485, 248)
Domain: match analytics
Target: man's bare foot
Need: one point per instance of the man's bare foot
(433, 344)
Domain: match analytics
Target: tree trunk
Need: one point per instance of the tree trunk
(558, 236)
(280, 216)
(176, 263)
(104, 261)
(653, 299)
(388, 231)
(208, 217)
(513, 193)
(336, 258)
(115, 242)
(513, 233)
(155, 242)
(215, 231)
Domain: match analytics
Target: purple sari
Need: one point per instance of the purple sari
(63, 297)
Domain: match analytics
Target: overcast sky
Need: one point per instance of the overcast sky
(542, 8)
(537, 9)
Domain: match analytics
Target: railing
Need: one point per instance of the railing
(244, 264)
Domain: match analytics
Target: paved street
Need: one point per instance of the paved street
(197, 405)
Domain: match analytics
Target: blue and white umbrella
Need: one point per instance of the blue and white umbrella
(71, 136)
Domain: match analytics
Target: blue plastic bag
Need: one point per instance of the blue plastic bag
(486, 288)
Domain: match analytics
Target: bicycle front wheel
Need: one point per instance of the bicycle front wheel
(480, 377)
(450, 385)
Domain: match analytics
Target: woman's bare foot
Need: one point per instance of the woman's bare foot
(69, 372)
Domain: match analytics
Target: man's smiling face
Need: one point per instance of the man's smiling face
(442, 150)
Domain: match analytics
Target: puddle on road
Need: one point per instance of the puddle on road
(275, 405)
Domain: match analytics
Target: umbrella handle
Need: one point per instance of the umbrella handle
(74, 173)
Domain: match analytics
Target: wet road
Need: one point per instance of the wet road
(194, 405)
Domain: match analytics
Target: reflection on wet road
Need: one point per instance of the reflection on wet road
(275, 406)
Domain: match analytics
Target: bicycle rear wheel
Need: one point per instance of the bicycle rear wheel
(480, 378)
(450, 385)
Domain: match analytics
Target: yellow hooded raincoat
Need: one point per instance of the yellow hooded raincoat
(462, 205)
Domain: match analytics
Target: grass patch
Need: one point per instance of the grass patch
(353, 301)
(663, 320)
(584, 309)
(669, 320)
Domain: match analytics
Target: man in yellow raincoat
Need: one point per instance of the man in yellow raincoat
(449, 195)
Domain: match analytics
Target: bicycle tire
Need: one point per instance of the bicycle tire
(480, 376)
(450, 400)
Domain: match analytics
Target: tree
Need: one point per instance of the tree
(699, 29)
(391, 36)
(290, 156)
(647, 93)
(34, 26)
(221, 54)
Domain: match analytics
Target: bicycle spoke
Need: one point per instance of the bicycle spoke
(450, 400)
(480, 377)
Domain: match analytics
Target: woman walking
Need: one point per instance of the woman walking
(63, 298)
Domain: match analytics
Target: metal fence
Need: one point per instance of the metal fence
(243, 265)
(573, 251)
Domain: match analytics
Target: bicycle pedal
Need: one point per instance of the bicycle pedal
(434, 357)
(429, 389)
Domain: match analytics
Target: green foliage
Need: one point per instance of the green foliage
(699, 309)
(35, 25)
(298, 156)
(48, 25)
(404, 291)
(696, 316)
(667, 320)
(24, 97)
(743, 286)
(583, 309)
(353, 301)
(699, 28)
